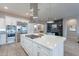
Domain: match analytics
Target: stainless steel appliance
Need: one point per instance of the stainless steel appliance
(11, 33)
(21, 29)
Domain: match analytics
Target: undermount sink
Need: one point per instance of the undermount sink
(32, 36)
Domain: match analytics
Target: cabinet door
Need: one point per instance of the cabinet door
(2, 23)
(2, 39)
(58, 50)
(11, 20)
(35, 49)
(43, 51)
(28, 46)
(61, 49)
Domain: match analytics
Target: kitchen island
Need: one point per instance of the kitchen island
(42, 45)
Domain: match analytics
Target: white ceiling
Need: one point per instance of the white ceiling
(61, 10)
(46, 10)
(65, 10)
(20, 8)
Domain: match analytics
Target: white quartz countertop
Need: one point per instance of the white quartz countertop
(48, 41)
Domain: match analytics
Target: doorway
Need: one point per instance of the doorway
(71, 44)
(72, 30)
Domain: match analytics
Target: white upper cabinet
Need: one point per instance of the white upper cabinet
(13, 20)
(2, 23)
(10, 20)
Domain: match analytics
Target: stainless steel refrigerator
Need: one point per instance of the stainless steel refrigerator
(11, 33)
(21, 29)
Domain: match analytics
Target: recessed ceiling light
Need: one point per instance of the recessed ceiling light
(5, 7)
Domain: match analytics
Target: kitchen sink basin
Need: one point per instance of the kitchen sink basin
(33, 36)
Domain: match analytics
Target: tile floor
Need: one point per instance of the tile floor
(71, 48)
(12, 50)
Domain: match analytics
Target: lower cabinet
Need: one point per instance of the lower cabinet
(59, 50)
(2, 39)
(43, 51)
(34, 49)
(28, 46)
